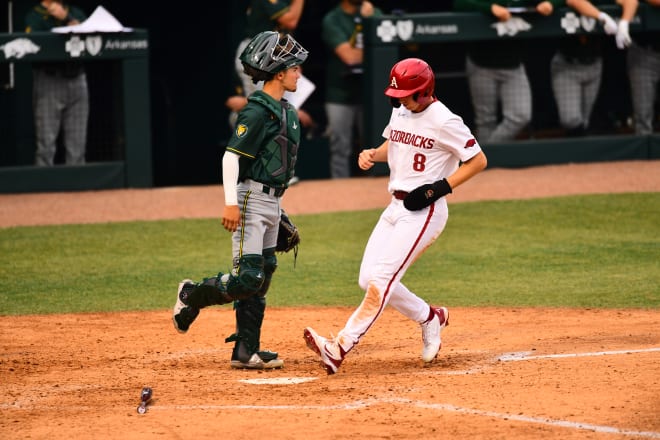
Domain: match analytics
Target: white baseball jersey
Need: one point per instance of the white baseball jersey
(427, 146)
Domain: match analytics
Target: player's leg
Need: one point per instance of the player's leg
(260, 235)
(249, 319)
(245, 278)
(591, 79)
(516, 97)
(339, 130)
(398, 238)
(404, 301)
(242, 282)
(567, 92)
(431, 319)
(332, 351)
(643, 67)
(74, 120)
(483, 90)
(47, 97)
(397, 241)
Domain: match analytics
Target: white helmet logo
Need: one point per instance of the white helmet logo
(393, 83)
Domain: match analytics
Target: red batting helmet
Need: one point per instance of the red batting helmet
(411, 76)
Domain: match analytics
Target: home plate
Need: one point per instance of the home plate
(278, 380)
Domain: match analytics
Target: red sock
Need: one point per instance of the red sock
(431, 315)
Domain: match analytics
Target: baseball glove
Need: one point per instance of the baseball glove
(288, 237)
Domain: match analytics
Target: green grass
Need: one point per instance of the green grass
(598, 251)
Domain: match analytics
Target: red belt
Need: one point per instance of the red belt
(400, 195)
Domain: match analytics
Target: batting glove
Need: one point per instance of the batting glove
(623, 39)
(609, 25)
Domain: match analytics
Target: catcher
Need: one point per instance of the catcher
(256, 168)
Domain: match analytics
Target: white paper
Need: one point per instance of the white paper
(304, 89)
(100, 21)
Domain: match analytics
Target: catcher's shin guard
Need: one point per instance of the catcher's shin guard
(249, 318)
(209, 292)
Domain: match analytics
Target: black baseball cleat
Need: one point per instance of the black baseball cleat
(261, 360)
(241, 358)
(183, 315)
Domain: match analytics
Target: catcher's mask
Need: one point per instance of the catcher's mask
(411, 76)
(272, 52)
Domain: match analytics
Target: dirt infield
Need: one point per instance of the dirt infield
(501, 374)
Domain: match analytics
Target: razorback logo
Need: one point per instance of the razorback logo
(470, 143)
(19, 47)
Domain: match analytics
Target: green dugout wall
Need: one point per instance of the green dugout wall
(388, 36)
(126, 118)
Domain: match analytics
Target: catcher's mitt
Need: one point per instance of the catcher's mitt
(288, 237)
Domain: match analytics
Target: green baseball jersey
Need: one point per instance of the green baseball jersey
(262, 15)
(38, 19)
(343, 83)
(266, 138)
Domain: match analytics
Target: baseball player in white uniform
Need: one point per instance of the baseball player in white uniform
(425, 144)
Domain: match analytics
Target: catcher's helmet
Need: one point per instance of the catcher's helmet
(272, 52)
(411, 76)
